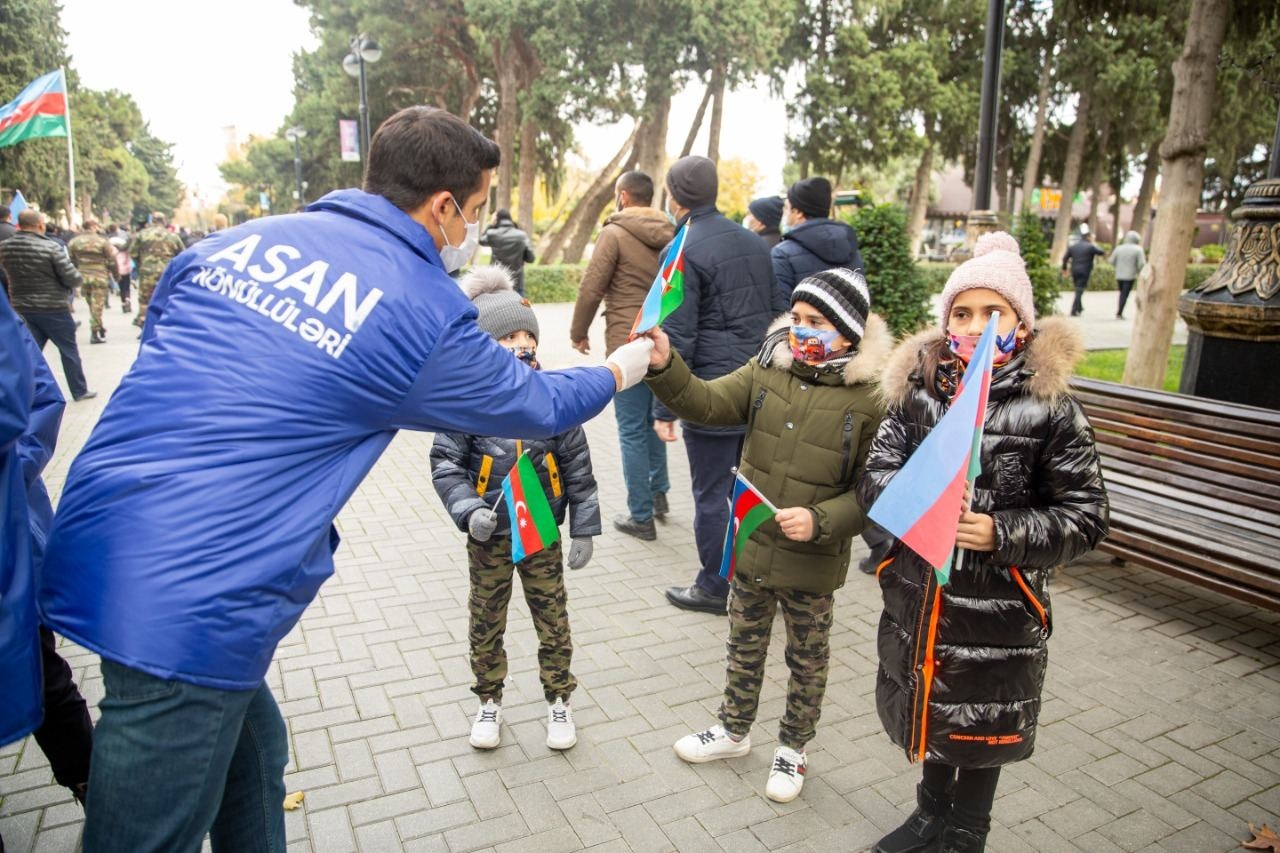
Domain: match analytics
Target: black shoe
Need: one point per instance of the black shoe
(922, 829)
(870, 563)
(958, 840)
(87, 395)
(99, 336)
(125, 307)
(695, 598)
(660, 508)
(639, 529)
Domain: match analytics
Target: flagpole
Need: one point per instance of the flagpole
(71, 160)
(752, 487)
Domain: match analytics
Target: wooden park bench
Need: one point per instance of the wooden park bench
(1194, 486)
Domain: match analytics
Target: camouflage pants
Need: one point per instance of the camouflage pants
(95, 293)
(808, 617)
(145, 289)
(542, 579)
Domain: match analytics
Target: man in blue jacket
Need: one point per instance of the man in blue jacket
(811, 242)
(729, 299)
(278, 361)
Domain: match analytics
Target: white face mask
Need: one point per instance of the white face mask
(453, 256)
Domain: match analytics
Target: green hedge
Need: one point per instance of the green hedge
(1103, 278)
(553, 282)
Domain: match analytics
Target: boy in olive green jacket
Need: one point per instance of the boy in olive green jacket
(811, 407)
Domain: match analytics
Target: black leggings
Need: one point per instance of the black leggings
(66, 735)
(974, 791)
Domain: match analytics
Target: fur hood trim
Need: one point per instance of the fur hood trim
(1049, 362)
(866, 364)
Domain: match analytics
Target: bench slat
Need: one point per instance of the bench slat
(1134, 554)
(1125, 418)
(1243, 490)
(1157, 547)
(1163, 438)
(1193, 542)
(1124, 490)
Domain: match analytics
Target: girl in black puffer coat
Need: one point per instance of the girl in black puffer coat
(962, 665)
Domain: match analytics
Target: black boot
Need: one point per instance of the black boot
(922, 829)
(125, 307)
(956, 839)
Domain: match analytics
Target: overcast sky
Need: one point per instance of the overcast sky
(231, 64)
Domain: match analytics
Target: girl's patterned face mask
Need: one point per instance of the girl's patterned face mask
(529, 355)
(813, 346)
(964, 345)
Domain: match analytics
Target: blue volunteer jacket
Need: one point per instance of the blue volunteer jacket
(20, 685)
(278, 360)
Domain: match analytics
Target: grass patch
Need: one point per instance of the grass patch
(1108, 364)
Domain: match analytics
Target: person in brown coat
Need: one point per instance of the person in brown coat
(622, 268)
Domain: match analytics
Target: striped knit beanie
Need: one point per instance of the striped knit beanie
(842, 297)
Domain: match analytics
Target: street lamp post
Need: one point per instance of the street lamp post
(294, 134)
(982, 218)
(363, 49)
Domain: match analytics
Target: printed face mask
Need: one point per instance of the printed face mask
(529, 355)
(964, 345)
(453, 256)
(813, 346)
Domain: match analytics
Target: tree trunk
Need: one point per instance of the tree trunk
(605, 179)
(717, 112)
(1195, 80)
(507, 119)
(1096, 176)
(1004, 153)
(1116, 180)
(528, 172)
(697, 124)
(594, 204)
(1031, 177)
(1142, 207)
(651, 138)
(920, 195)
(1070, 179)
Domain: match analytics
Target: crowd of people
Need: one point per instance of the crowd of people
(344, 326)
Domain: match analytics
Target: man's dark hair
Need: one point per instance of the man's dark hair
(420, 151)
(638, 185)
(502, 215)
(5, 212)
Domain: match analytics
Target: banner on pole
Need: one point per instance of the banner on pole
(349, 140)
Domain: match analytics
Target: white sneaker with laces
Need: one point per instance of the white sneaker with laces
(704, 746)
(484, 731)
(561, 732)
(786, 777)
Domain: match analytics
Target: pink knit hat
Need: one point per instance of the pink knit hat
(996, 265)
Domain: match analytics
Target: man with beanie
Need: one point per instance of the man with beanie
(278, 360)
(729, 299)
(623, 266)
(764, 215)
(811, 241)
(1080, 255)
(510, 245)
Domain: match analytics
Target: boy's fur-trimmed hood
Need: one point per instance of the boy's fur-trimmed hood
(1047, 362)
(865, 366)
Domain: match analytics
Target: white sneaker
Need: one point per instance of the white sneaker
(786, 777)
(484, 731)
(711, 744)
(561, 732)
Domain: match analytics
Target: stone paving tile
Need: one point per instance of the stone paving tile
(1147, 742)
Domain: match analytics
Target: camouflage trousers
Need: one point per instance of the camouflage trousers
(808, 617)
(542, 579)
(95, 293)
(145, 289)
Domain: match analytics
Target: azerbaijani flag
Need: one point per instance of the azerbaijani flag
(921, 504)
(748, 510)
(533, 524)
(667, 291)
(39, 110)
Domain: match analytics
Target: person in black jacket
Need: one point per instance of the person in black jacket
(764, 217)
(42, 280)
(510, 246)
(729, 300)
(1080, 256)
(962, 666)
(811, 242)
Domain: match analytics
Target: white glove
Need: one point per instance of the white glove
(482, 523)
(632, 361)
(580, 552)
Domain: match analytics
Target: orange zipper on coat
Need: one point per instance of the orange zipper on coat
(927, 673)
(1035, 602)
(926, 631)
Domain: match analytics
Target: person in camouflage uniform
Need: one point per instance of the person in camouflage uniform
(467, 472)
(808, 400)
(95, 258)
(152, 249)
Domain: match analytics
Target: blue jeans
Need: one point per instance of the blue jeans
(644, 455)
(712, 458)
(173, 762)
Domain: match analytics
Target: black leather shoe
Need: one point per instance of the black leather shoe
(87, 395)
(639, 529)
(872, 561)
(660, 508)
(695, 598)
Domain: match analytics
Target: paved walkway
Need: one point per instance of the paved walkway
(1161, 725)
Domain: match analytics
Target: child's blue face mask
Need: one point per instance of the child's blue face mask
(964, 345)
(813, 346)
(529, 355)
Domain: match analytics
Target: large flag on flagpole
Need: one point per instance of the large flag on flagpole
(667, 291)
(533, 524)
(921, 504)
(40, 110)
(748, 509)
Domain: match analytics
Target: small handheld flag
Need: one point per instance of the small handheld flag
(667, 291)
(39, 110)
(16, 206)
(533, 524)
(921, 504)
(748, 509)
